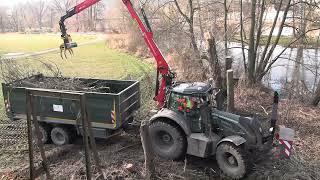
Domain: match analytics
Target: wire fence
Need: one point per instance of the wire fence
(13, 134)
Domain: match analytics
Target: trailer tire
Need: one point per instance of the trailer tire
(60, 136)
(44, 133)
(168, 141)
(231, 160)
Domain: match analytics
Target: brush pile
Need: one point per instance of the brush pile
(62, 83)
(21, 75)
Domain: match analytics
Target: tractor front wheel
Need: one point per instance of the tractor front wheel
(231, 160)
(168, 141)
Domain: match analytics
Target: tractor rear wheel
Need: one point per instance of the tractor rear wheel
(231, 160)
(60, 136)
(168, 141)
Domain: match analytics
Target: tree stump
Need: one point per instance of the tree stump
(230, 91)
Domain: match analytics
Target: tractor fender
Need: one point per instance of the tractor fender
(173, 116)
(236, 140)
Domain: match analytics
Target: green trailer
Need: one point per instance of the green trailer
(60, 117)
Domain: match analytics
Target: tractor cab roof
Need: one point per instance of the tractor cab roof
(192, 88)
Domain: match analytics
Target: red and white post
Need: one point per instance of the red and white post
(286, 136)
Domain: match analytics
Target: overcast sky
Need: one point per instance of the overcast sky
(10, 3)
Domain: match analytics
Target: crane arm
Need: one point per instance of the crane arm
(75, 10)
(162, 83)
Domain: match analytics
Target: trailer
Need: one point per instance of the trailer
(59, 117)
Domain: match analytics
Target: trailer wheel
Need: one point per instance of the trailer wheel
(231, 160)
(44, 133)
(168, 141)
(60, 136)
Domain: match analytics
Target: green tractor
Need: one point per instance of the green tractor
(191, 124)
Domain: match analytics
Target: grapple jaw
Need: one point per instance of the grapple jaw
(67, 45)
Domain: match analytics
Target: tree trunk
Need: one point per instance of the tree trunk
(230, 91)
(251, 53)
(316, 98)
(214, 61)
(225, 28)
(193, 40)
(1, 24)
(242, 32)
(147, 149)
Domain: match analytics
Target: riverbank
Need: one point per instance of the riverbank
(285, 41)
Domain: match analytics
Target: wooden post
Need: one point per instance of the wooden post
(230, 91)
(38, 137)
(85, 136)
(30, 144)
(147, 149)
(228, 63)
(228, 66)
(93, 145)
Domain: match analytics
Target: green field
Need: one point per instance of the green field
(93, 61)
(89, 61)
(13, 43)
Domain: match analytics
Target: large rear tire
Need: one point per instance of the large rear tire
(60, 136)
(231, 160)
(168, 141)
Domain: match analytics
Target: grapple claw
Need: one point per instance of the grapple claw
(67, 45)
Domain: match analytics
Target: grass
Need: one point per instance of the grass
(89, 61)
(13, 42)
(94, 61)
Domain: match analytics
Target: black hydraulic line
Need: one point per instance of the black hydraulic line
(145, 18)
(63, 29)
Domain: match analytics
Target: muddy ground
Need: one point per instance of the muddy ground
(125, 149)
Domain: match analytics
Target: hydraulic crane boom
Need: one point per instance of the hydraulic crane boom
(163, 83)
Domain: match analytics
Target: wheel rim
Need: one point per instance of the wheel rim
(230, 159)
(164, 140)
(60, 137)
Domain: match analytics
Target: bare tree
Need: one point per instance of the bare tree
(62, 6)
(15, 19)
(39, 9)
(3, 17)
(316, 99)
(189, 16)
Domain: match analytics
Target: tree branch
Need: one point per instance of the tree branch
(180, 11)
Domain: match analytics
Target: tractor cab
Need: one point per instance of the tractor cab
(188, 99)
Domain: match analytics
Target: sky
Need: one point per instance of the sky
(11, 3)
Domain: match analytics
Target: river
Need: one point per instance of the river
(283, 69)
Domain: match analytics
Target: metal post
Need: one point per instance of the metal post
(30, 144)
(230, 91)
(85, 136)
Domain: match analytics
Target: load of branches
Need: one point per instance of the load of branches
(50, 77)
